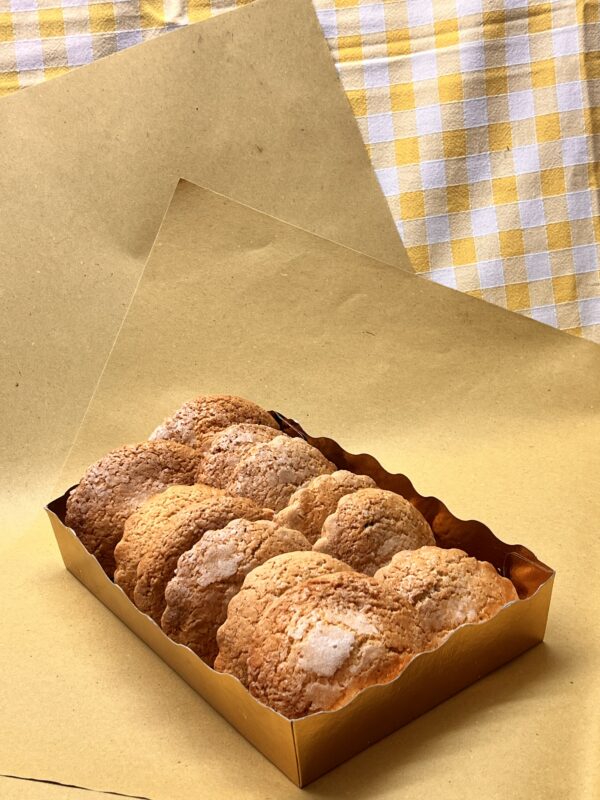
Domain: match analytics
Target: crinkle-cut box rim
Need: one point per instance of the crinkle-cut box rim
(306, 748)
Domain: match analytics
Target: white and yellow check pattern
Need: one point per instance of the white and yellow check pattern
(481, 117)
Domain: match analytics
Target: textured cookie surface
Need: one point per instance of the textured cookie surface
(211, 573)
(188, 526)
(272, 471)
(447, 587)
(324, 640)
(369, 526)
(222, 450)
(264, 584)
(154, 514)
(116, 485)
(312, 503)
(209, 413)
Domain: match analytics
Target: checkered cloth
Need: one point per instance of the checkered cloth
(481, 117)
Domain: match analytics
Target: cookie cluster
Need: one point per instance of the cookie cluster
(306, 582)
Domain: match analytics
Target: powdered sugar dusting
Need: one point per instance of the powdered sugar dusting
(220, 562)
(460, 611)
(303, 622)
(358, 621)
(325, 649)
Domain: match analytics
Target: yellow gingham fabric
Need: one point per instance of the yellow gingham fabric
(481, 117)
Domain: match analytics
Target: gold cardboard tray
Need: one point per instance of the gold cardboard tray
(303, 749)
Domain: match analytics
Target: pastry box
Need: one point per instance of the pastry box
(305, 748)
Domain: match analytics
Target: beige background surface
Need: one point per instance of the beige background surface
(249, 104)
(491, 412)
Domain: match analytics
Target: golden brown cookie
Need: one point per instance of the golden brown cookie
(163, 546)
(209, 413)
(314, 501)
(211, 573)
(324, 640)
(261, 586)
(272, 471)
(154, 514)
(116, 485)
(222, 450)
(447, 587)
(369, 526)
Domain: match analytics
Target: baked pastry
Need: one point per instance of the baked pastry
(446, 587)
(209, 413)
(261, 586)
(163, 546)
(211, 573)
(222, 450)
(369, 526)
(314, 501)
(154, 514)
(116, 485)
(324, 640)
(272, 471)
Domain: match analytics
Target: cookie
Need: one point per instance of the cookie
(155, 513)
(212, 572)
(446, 587)
(261, 586)
(209, 413)
(325, 640)
(222, 450)
(272, 471)
(163, 546)
(116, 485)
(313, 502)
(369, 526)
